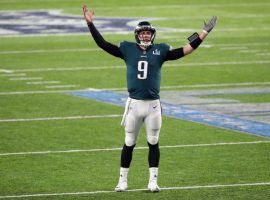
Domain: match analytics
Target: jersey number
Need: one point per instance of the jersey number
(142, 68)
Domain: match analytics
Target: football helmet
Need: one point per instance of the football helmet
(144, 26)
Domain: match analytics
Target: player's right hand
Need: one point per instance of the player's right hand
(88, 15)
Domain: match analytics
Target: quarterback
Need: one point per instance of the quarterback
(144, 60)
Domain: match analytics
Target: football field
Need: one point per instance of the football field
(62, 100)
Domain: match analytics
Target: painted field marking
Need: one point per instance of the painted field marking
(220, 63)
(6, 71)
(21, 25)
(61, 86)
(234, 48)
(25, 78)
(251, 51)
(69, 69)
(263, 54)
(123, 67)
(216, 85)
(138, 190)
(59, 118)
(172, 30)
(123, 89)
(37, 92)
(42, 82)
(243, 44)
(138, 148)
(227, 45)
(186, 113)
(50, 51)
(195, 86)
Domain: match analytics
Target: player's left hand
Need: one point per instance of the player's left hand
(210, 25)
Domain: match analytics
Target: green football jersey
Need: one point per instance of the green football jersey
(144, 69)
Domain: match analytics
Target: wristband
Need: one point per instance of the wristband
(194, 40)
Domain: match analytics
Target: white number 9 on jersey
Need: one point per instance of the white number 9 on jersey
(142, 67)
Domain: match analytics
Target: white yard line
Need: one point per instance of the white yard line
(123, 67)
(38, 92)
(61, 86)
(6, 71)
(49, 51)
(68, 69)
(123, 89)
(225, 46)
(139, 148)
(59, 118)
(196, 86)
(172, 30)
(42, 82)
(219, 63)
(263, 54)
(25, 78)
(216, 85)
(234, 48)
(252, 51)
(243, 44)
(138, 190)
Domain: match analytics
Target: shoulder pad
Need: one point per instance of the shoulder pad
(165, 46)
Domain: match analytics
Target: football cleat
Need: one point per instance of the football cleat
(121, 186)
(153, 186)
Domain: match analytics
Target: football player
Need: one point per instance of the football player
(143, 60)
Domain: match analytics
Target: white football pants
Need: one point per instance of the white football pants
(138, 112)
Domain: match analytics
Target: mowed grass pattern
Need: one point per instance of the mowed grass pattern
(237, 51)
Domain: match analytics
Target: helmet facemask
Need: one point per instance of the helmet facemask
(144, 26)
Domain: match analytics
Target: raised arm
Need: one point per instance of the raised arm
(100, 41)
(196, 39)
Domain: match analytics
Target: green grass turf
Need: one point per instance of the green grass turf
(98, 171)
(51, 105)
(243, 193)
(102, 133)
(242, 25)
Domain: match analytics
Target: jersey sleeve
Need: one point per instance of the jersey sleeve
(102, 43)
(173, 54)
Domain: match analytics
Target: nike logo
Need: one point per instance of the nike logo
(155, 106)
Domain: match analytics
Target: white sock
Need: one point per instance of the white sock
(123, 174)
(153, 174)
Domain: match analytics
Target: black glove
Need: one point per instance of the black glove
(210, 25)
